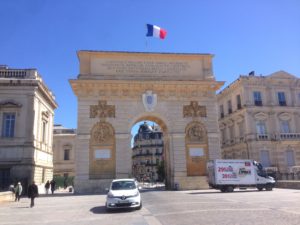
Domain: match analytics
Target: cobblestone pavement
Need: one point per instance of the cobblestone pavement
(281, 206)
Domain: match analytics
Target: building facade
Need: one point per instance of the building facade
(26, 123)
(147, 153)
(115, 90)
(259, 118)
(63, 151)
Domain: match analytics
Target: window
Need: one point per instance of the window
(67, 154)
(241, 128)
(221, 111)
(257, 98)
(229, 105)
(44, 129)
(281, 99)
(238, 102)
(261, 127)
(284, 126)
(290, 158)
(231, 133)
(265, 158)
(8, 128)
(223, 133)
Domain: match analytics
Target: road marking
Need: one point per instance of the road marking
(210, 210)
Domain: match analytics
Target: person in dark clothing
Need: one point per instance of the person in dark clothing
(52, 184)
(32, 193)
(47, 186)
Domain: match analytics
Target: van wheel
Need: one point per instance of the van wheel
(259, 188)
(269, 187)
(223, 189)
(230, 189)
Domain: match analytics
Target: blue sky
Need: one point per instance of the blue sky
(259, 35)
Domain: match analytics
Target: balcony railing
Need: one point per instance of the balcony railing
(288, 136)
(262, 137)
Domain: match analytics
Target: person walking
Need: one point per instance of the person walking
(32, 193)
(47, 186)
(18, 191)
(52, 184)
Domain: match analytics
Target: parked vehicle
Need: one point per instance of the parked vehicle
(227, 174)
(123, 193)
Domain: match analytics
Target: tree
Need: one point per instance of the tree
(160, 168)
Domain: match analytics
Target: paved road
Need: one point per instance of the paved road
(281, 206)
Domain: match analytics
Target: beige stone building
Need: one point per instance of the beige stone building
(259, 118)
(64, 151)
(147, 153)
(26, 123)
(115, 90)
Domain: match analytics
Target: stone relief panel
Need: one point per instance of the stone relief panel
(102, 110)
(196, 149)
(101, 133)
(196, 133)
(102, 153)
(194, 110)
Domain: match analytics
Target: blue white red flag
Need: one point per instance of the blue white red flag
(155, 31)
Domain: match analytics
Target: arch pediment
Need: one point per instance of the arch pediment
(10, 104)
(261, 116)
(284, 116)
(281, 75)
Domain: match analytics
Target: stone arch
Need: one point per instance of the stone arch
(102, 151)
(166, 151)
(196, 143)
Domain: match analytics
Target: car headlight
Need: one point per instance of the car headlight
(136, 194)
(110, 195)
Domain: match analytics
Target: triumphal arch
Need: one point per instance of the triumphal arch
(115, 90)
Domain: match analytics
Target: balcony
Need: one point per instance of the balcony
(288, 136)
(263, 137)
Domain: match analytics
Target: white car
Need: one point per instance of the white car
(123, 193)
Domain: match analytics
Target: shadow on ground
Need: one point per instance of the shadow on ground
(102, 210)
(219, 192)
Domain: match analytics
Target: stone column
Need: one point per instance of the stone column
(123, 155)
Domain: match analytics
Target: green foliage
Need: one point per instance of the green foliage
(61, 181)
(161, 171)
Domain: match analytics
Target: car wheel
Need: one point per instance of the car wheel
(138, 208)
(107, 209)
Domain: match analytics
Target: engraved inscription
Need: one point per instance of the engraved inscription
(146, 67)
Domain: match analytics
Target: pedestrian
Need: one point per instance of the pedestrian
(18, 191)
(47, 186)
(52, 184)
(32, 193)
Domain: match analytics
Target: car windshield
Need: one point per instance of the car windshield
(123, 185)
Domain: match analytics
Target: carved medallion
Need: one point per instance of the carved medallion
(194, 110)
(101, 132)
(102, 110)
(196, 133)
(149, 100)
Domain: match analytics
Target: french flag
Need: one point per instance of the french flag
(155, 31)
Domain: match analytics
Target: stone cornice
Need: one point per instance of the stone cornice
(114, 88)
(32, 83)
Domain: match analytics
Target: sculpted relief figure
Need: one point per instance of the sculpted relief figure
(102, 110)
(102, 132)
(194, 110)
(196, 133)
